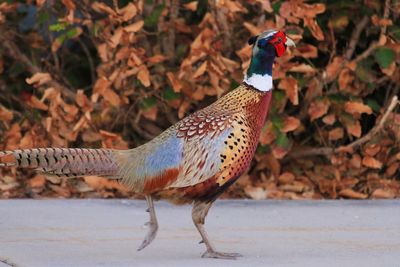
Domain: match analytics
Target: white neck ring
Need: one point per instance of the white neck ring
(260, 82)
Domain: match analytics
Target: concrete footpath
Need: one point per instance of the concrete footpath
(89, 233)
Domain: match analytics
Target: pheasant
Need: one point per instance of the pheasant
(193, 161)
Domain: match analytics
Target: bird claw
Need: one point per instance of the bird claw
(201, 242)
(221, 255)
(151, 234)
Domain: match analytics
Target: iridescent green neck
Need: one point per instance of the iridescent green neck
(259, 74)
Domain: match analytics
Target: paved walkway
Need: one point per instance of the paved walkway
(75, 233)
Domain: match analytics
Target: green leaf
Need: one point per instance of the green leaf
(282, 140)
(373, 104)
(364, 70)
(148, 102)
(169, 94)
(277, 121)
(58, 27)
(384, 56)
(152, 20)
(74, 32)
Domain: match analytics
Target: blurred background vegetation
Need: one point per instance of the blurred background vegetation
(115, 74)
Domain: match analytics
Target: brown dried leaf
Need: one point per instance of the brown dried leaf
(383, 194)
(371, 162)
(111, 97)
(157, 58)
(266, 5)
(333, 68)
(357, 107)
(306, 51)
(175, 83)
(291, 87)
(313, 26)
(318, 109)
(134, 27)
(128, 12)
(37, 181)
(329, 119)
(5, 114)
(354, 128)
(336, 134)
(201, 70)
(372, 150)
(34, 102)
(39, 78)
(286, 178)
(345, 78)
(350, 193)
(290, 124)
(144, 76)
(191, 5)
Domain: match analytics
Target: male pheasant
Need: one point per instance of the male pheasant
(193, 161)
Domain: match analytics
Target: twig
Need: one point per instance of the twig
(13, 51)
(328, 151)
(90, 60)
(374, 130)
(355, 37)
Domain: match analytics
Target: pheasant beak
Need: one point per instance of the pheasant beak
(289, 42)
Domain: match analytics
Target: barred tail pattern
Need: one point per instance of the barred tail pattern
(64, 162)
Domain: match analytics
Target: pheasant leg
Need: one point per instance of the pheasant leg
(199, 212)
(152, 224)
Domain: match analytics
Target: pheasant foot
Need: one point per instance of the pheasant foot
(152, 224)
(221, 255)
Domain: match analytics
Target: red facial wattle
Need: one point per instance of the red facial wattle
(279, 41)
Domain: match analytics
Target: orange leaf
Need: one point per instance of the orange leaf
(201, 70)
(383, 194)
(290, 124)
(336, 134)
(306, 51)
(286, 178)
(101, 85)
(191, 5)
(37, 181)
(111, 97)
(318, 109)
(290, 85)
(302, 68)
(34, 102)
(314, 28)
(134, 27)
(144, 76)
(345, 78)
(157, 58)
(176, 84)
(333, 68)
(5, 114)
(371, 162)
(350, 193)
(128, 12)
(354, 128)
(39, 78)
(357, 107)
(329, 119)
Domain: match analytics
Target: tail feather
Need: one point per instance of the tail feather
(65, 162)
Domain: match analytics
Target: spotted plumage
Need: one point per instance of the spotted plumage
(193, 161)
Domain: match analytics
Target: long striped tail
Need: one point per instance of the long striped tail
(63, 162)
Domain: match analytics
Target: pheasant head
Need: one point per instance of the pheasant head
(266, 47)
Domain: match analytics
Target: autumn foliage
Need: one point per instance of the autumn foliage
(115, 74)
